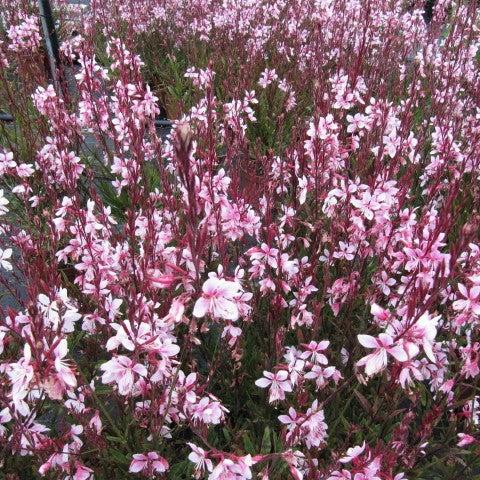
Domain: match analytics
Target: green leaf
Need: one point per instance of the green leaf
(227, 435)
(119, 457)
(277, 444)
(248, 444)
(120, 440)
(266, 441)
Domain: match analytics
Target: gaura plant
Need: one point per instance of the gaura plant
(287, 286)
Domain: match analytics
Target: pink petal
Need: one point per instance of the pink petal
(376, 362)
(201, 307)
(398, 353)
(140, 369)
(225, 309)
(263, 383)
(367, 341)
(137, 466)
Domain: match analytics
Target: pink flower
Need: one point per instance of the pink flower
(278, 383)
(384, 283)
(218, 299)
(198, 456)
(425, 331)
(313, 352)
(367, 205)
(265, 254)
(267, 77)
(377, 361)
(380, 315)
(123, 336)
(81, 473)
(408, 369)
(464, 439)
(471, 302)
(3, 203)
(149, 463)
(315, 426)
(208, 411)
(347, 251)
(320, 375)
(120, 370)
(64, 377)
(6, 162)
(291, 419)
(352, 453)
(21, 374)
(25, 37)
(233, 469)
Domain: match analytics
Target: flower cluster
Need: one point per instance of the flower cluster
(25, 36)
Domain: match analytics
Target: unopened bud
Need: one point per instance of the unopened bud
(185, 135)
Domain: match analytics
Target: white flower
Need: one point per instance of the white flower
(352, 453)
(5, 255)
(3, 203)
(218, 299)
(278, 383)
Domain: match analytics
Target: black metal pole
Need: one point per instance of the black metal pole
(51, 41)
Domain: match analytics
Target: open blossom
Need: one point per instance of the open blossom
(3, 203)
(369, 472)
(377, 361)
(308, 428)
(423, 331)
(314, 426)
(471, 300)
(7, 162)
(366, 204)
(141, 336)
(208, 411)
(380, 315)
(465, 439)
(321, 375)
(122, 371)
(346, 251)
(267, 77)
(62, 377)
(264, 254)
(59, 310)
(313, 352)
(218, 299)
(149, 464)
(293, 421)
(82, 472)
(384, 283)
(278, 383)
(352, 452)
(198, 456)
(233, 469)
